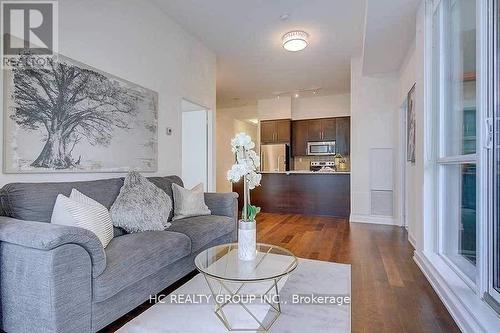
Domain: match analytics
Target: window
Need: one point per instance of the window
(454, 100)
(465, 119)
(494, 277)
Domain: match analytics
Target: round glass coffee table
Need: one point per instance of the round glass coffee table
(246, 283)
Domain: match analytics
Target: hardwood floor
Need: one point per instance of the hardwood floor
(389, 292)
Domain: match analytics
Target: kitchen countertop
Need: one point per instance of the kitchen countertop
(307, 172)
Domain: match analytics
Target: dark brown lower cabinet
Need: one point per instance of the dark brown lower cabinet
(308, 194)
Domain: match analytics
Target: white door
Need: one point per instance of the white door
(194, 146)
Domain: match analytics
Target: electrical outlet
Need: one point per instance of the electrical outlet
(169, 130)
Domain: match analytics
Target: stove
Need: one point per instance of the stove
(323, 166)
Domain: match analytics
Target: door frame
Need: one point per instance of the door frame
(210, 123)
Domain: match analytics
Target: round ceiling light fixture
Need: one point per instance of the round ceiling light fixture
(294, 41)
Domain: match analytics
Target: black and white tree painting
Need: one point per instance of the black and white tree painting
(70, 117)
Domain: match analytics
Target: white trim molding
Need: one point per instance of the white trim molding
(469, 312)
(412, 241)
(359, 218)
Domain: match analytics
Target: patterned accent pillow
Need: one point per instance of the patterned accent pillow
(189, 202)
(141, 205)
(81, 211)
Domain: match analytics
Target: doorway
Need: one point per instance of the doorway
(195, 145)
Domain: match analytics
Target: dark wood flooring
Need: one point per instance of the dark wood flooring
(389, 292)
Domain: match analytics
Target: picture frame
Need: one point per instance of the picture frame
(108, 124)
(410, 125)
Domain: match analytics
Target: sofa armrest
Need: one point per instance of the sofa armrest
(222, 204)
(46, 291)
(48, 236)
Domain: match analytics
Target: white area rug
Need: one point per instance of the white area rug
(311, 277)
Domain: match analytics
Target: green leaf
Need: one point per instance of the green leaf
(252, 212)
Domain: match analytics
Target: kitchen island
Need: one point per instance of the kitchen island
(301, 192)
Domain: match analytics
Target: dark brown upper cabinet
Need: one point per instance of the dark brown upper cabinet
(275, 131)
(299, 137)
(314, 129)
(326, 129)
(321, 129)
(343, 134)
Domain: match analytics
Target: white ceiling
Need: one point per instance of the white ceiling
(246, 36)
(389, 30)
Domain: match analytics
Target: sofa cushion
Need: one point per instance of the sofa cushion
(35, 201)
(165, 183)
(133, 257)
(203, 229)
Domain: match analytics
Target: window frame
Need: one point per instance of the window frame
(441, 160)
(491, 294)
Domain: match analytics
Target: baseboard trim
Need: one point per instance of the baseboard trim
(358, 218)
(469, 312)
(411, 239)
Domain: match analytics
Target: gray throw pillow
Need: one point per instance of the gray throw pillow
(141, 205)
(189, 202)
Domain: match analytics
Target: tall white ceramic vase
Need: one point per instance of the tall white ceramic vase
(247, 240)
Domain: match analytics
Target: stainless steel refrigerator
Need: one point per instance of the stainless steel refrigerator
(274, 158)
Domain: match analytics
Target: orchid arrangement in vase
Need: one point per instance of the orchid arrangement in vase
(246, 165)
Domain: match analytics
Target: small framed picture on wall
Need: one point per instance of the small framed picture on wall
(410, 126)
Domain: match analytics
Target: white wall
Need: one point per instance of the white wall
(417, 192)
(275, 108)
(321, 106)
(374, 100)
(407, 78)
(136, 41)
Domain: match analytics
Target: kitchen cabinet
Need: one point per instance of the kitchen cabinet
(267, 131)
(326, 129)
(314, 129)
(308, 194)
(299, 137)
(343, 136)
(321, 129)
(275, 131)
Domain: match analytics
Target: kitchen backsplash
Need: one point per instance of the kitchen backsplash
(303, 163)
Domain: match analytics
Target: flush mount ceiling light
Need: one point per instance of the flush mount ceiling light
(294, 41)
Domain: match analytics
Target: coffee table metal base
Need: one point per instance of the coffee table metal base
(225, 296)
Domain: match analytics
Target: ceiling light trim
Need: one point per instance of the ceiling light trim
(296, 40)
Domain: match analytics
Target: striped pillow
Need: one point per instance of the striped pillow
(81, 211)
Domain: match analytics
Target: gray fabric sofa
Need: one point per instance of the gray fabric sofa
(56, 278)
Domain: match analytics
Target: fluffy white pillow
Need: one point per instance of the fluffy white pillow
(141, 205)
(81, 211)
(189, 202)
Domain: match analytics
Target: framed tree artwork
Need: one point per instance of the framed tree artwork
(70, 117)
(410, 126)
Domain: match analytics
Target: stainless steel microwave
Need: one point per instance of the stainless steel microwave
(321, 148)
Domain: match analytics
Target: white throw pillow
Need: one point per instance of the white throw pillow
(81, 211)
(189, 202)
